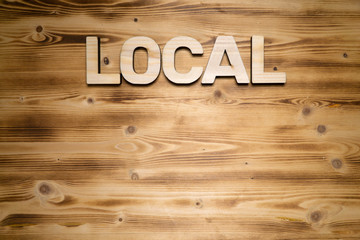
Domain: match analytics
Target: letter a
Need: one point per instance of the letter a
(214, 69)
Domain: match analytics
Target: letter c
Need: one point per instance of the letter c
(127, 59)
(169, 60)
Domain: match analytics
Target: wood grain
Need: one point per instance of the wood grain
(167, 161)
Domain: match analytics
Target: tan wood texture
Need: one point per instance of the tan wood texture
(167, 161)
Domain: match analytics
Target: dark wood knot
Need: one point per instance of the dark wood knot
(316, 216)
(39, 29)
(217, 93)
(106, 61)
(45, 189)
(321, 129)
(134, 176)
(306, 111)
(336, 163)
(131, 129)
(199, 203)
(90, 100)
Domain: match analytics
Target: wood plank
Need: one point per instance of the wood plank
(167, 161)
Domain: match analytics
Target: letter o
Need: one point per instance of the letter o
(127, 59)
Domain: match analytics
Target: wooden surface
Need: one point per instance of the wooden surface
(166, 161)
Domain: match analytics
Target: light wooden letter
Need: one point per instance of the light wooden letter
(93, 75)
(127, 58)
(169, 60)
(257, 70)
(213, 69)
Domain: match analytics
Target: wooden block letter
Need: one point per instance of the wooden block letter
(257, 60)
(93, 75)
(127, 58)
(169, 60)
(213, 69)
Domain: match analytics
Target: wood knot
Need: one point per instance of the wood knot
(217, 93)
(275, 69)
(134, 176)
(336, 163)
(90, 100)
(199, 203)
(120, 219)
(316, 216)
(345, 55)
(131, 129)
(39, 29)
(135, 19)
(21, 99)
(44, 189)
(321, 129)
(49, 193)
(106, 61)
(306, 111)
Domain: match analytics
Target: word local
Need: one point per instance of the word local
(223, 44)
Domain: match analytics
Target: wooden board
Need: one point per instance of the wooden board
(167, 161)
